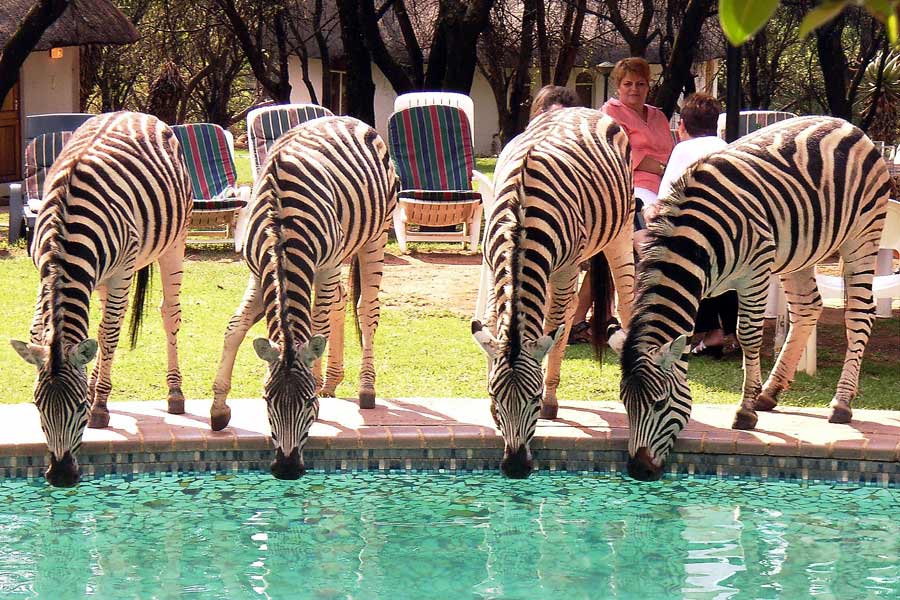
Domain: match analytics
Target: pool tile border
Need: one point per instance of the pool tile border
(413, 436)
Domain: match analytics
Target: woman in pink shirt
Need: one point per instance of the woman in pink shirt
(647, 128)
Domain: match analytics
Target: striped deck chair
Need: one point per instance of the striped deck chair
(209, 158)
(431, 147)
(267, 124)
(26, 198)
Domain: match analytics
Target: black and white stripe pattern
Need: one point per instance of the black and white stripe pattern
(563, 194)
(325, 195)
(777, 201)
(116, 200)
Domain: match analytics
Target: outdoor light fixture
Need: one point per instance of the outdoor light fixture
(56, 52)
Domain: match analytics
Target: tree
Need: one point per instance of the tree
(360, 86)
(41, 16)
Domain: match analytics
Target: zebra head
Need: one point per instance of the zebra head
(291, 401)
(658, 402)
(61, 397)
(515, 388)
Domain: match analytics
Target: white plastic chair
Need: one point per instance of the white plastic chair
(752, 120)
(460, 101)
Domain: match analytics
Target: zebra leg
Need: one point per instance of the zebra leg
(859, 315)
(328, 320)
(371, 267)
(560, 309)
(247, 315)
(171, 269)
(114, 303)
(620, 255)
(804, 307)
(751, 313)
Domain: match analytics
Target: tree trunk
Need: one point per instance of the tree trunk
(733, 91)
(543, 47)
(41, 16)
(165, 94)
(678, 70)
(517, 116)
(451, 63)
(389, 65)
(360, 86)
(572, 25)
(322, 43)
(834, 68)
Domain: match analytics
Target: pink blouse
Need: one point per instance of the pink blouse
(651, 138)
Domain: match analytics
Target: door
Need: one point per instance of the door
(10, 138)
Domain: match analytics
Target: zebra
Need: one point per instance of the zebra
(325, 194)
(116, 200)
(777, 201)
(564, 193)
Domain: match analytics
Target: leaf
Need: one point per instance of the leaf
(740, 19)
(893, 29)
(881, 9)
(821, 15)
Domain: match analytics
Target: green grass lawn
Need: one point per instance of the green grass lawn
(421, 351)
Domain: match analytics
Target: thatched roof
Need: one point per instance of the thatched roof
(83, 22)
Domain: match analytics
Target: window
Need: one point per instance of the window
(338, 92)
(584, 87)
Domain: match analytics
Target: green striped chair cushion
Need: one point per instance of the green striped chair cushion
(431, 147)
(39, 157)
(270, 123)
(209, 163)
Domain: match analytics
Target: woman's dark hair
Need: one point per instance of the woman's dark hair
(700, 114)
(549, 95)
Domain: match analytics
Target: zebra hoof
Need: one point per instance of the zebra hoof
(99, 419)
(219, 419)
(744, 419)
(327, 393)
(176, 404)
(765, 401)
(549, 412)
(367, 399)
(840, 412)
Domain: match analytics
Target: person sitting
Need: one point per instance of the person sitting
(551, 97)
(717, 316)
(648, 134)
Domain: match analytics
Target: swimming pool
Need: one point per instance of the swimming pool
(396, 536)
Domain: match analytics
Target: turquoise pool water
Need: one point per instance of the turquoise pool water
(371, 535)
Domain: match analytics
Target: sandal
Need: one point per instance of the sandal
(702, 349)
(580, 333)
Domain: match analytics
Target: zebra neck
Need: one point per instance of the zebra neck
(64, 308)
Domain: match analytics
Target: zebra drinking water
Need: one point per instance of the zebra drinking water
(116, 200)
(563, 194)
(777, 201)
(325, 194)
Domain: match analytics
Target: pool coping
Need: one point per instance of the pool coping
(457, 434)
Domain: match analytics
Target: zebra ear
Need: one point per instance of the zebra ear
(266, 350)
(544, 343)
(312, 350)
(670, 353)
(32, 353)
(83, 353)
(484, 338)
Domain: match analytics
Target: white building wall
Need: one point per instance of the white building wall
(50, 85)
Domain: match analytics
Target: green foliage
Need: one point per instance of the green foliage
(882, 97)
(420, 351)
(741, 19)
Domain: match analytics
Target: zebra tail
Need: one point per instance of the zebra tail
(602, 288)
(355, 294)
(137, 307)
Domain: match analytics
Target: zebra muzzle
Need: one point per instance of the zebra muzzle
(287, 466)
(517, 464)
(643, 467)
(64, 472)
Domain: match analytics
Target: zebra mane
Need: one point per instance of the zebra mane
(514, 233)
(276, 234)
(50, 261)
